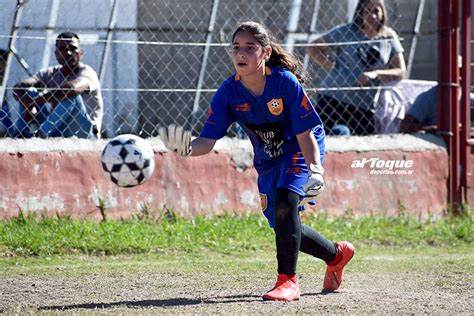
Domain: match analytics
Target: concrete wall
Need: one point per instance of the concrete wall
(64, 176)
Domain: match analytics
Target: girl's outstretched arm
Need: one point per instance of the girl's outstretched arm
(201, 146)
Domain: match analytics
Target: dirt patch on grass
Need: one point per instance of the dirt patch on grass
(208, 293)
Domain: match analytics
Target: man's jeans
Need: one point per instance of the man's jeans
(68, 118)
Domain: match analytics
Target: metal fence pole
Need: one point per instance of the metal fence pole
(465, 102)
(414, 40)
(312, 29)
(202, 71)
(444, 91)
(108, 38)
(53, 17)
(292, 24)
(454, 74)
(106, 54)
(11, 45)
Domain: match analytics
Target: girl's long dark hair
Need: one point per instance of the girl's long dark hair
(279, 57)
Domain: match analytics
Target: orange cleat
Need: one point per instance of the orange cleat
(286, 289)
(335, 273)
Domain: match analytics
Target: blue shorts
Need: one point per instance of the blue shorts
(292, 174)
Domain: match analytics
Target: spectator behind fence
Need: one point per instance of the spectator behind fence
(423, 114)
(63, 100)
(5, 120)
(362, 54)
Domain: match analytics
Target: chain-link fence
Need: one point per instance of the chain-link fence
(160, 62)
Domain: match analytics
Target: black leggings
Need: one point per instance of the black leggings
(333, 111)
(291, 236)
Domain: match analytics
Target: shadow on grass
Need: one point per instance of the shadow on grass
(243, 298)
(157, 303)
(247, 298)
(317, 293)
(130, 304)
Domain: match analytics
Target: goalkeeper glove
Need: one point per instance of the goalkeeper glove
(315, 184)
(176, 139)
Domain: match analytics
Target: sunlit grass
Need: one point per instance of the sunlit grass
(166, 232)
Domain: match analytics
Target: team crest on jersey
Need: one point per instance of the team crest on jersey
(275, 106)
(263, 201)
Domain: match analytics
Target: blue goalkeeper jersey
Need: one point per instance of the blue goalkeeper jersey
(271, 120)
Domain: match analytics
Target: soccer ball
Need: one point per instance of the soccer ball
(128, 160)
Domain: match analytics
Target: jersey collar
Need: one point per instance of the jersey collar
(268, 72)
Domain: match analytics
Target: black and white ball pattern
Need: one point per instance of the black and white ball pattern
(128, 160)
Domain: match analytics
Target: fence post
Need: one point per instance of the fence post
(455, 174)
(202, 71)
(465, 99)
(11, 50)
(414, 40)
(53, 17)
(444, 86)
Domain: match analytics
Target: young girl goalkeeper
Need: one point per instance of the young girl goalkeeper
(265, 96)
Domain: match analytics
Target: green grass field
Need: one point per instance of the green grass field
(227, 234)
